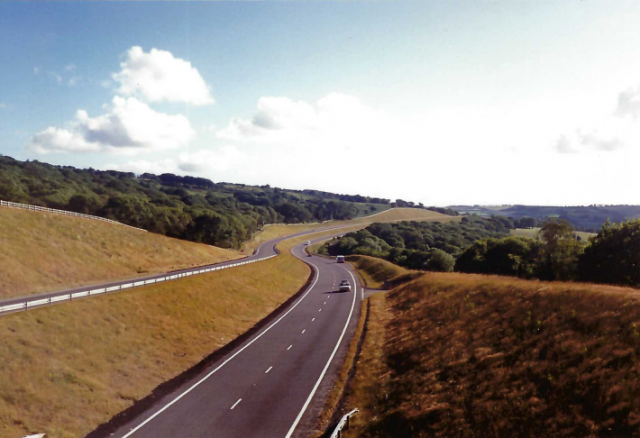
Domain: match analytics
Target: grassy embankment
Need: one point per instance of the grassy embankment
(393, 215)
(43, 252)
(455, 355)
(532, 233)
(375, 272)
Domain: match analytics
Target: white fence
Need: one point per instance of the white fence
(62, 212)
(29, 303)
(343, 424)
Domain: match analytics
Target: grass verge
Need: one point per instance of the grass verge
(44, 252)
(484, 356)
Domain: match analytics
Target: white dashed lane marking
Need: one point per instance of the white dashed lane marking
(268, 370)
(313, 319)
(304, 331)
(289, 347)
(236, 403)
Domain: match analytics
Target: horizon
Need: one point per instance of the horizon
(353, 194)
(500, 103)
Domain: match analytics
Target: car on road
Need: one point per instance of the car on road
(308, 242)
(345, 286)
(340, 259)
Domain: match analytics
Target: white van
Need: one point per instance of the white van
(340, 259)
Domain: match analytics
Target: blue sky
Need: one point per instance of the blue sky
(439, 102)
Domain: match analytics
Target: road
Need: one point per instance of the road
(276, 382)
(18, 304)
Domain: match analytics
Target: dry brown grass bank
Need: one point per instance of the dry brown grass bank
(42, 252)
(375, 271)
(479, 356)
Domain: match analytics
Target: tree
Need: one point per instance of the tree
(83, 204)
(440, 261)
(559, 252)
(613, 256)
(515, 256)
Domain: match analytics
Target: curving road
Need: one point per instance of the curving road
(18, 304)
(276, 382)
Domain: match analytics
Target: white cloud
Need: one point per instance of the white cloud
(128, 126)
(206, 160)
(73, 81)
(607, 135)
(37, 69)
(70, 67)
(145, 166)
(565, 146)
(336, 119)
(629, 103)
(158, 76)
(202, 162)
(56, 77)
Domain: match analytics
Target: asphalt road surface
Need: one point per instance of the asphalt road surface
(273, 385)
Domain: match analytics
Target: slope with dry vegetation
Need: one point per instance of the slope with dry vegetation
(44, 252)
(455, 355)
(377, 273)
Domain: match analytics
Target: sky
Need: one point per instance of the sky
(445, 103)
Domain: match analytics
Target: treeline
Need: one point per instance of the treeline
(483, 246)
(583, 218)
(347, 198)
(419, 245)
(408, 204)
(611, 257)
(185, 207)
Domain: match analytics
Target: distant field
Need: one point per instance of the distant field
(533, 233)
(391, 215)
(44, 252)
(455, 355)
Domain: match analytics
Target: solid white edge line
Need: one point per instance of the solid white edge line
(168, 405)
(236, 403)
(326, 367)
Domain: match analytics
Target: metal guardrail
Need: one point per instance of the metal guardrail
(63, 212)
(343, 424)
(38, 301)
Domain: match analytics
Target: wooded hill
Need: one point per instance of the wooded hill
(186, 207)
(191, 208)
